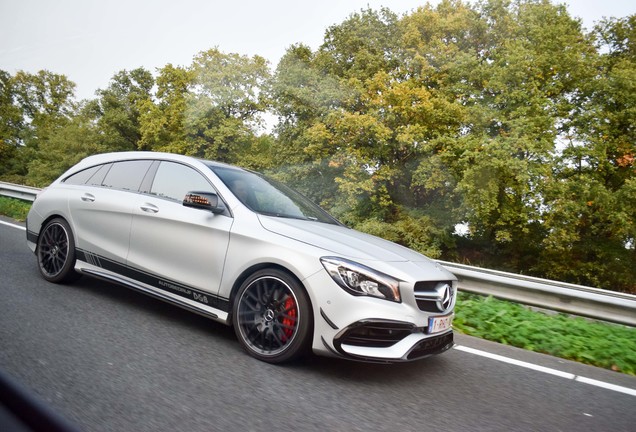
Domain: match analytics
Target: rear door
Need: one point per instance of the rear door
(101, 209)
(176, 248)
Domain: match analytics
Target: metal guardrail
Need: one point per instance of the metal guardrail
(547, 294)
(558, 296)
(26, 193)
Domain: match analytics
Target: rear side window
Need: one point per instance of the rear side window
(127, 175)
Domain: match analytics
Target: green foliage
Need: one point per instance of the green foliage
(33, 107)
(361, 46)
(65, 147)
(14, 208)
(11, 119)
(211, 109)
(600, 344)
(225, 104)
(162, 123)
(118, 108)
(592, 217)
(503, 116)
(417, 233)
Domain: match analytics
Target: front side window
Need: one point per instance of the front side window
(173, 181)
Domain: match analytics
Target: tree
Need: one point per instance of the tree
(351, 109)
(591, 220)
(361, 46)
(213, 109)
(66, 146)
(11, 129)
(163, 124)
(527, 62)
(117, 109)
(46, 103)
(302, 97)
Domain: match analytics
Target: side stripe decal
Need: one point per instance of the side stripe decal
(154, 281)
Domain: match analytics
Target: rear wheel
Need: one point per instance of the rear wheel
(272, 316)
(56, 252)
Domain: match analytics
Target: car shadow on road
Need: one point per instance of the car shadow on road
(129, 298)
(309, 364)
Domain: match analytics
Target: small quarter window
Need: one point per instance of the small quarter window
(98, 177)
(79, 178)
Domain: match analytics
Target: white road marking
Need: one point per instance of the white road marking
(605, 385)
(547, 370)
(13, 225)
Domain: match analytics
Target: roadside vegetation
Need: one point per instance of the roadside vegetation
(493, 133)
(14, 208)
(606, 345)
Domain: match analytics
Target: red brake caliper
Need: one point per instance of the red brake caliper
(290, 318)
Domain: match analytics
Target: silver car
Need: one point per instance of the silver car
(244, 250)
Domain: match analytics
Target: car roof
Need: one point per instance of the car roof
(128, 155)
(136, 155)
(103, 158)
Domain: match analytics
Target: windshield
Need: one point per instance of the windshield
(269, 197)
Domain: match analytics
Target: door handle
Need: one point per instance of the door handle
(149, 208)
(88, 197)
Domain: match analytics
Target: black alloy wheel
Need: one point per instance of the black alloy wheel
(272, 317)
(56, 252)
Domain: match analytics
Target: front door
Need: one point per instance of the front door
(178, 249)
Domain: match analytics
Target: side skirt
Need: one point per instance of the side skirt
(185, 303)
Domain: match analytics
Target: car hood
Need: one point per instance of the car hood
(390, 258)
(341, 240)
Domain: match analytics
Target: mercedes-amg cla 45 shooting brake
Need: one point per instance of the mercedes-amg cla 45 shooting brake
(244, 250)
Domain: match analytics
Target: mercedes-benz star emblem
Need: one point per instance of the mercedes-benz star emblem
(445, 296)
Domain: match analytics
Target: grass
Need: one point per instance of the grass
(14, 208)
(605, 345)
(610, 346)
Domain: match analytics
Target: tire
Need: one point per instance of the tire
(272, 317)
(56, 252)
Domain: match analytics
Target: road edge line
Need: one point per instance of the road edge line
(12, 225)
(547, 370)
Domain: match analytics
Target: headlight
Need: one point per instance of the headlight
(361, 280)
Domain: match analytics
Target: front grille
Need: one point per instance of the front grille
(431, 346)
(427, 296)
(376, 334)
(427, 306)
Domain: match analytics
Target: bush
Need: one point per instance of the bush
(14, 208)
(605, 345)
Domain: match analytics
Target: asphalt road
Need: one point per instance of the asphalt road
(109, 359)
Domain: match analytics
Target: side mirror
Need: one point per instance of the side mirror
(204, 201)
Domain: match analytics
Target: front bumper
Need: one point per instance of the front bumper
(373, 330)
(389, 342)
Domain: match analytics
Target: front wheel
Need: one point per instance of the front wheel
(56, 252)
(272, 316)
